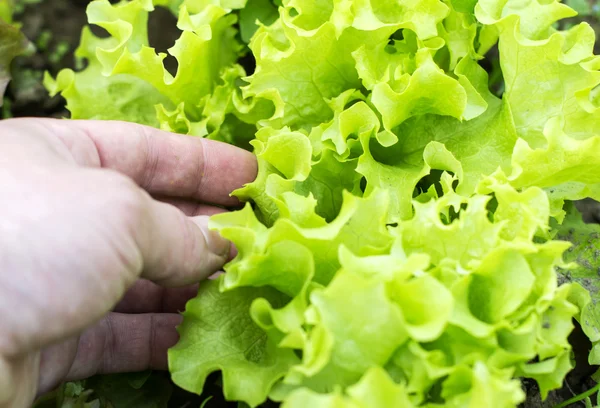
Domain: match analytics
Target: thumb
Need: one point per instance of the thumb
(178, 250)
(72, 279)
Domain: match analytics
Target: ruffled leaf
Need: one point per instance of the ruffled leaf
(219, 334)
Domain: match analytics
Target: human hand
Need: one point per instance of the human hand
(96, 220)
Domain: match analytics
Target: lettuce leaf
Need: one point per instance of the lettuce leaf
(250, 361)
(255, 13)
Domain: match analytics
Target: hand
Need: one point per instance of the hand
(96, 220)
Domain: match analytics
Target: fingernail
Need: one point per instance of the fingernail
(214, 241)
(232, 252)
(215, 276)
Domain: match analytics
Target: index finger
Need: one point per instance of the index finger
(162, 163)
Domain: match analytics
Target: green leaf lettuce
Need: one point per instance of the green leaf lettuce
(401, 241)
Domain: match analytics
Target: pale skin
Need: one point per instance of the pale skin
(103, 234)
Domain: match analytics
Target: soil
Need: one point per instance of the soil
(55, 26)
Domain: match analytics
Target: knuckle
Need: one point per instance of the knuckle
(184, 257)
(192, 248)
(127, 203)
(129, 199)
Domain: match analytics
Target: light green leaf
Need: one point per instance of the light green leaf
(563, 159)
(500, 284)
(219, 334)
(356, 217)
(478, 234)
(535, 17)
(550, 373)
(470, 149)
(121, 97)
(419, 96)
(426, 305)
(525, 214)
(561, 80)
(482, 387)
(301, 100)
(351, 325)
(376, 389)
(306, 398)
(420, 369)
(420, 16)
(262, 11)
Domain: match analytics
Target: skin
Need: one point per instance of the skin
(103, 230)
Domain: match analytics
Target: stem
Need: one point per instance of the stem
(205, 402)
(579, 397)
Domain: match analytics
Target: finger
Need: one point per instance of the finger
(162, 163)
(119, 343)
(133, 236)
(191, 208)
(195, 209)
(147, 297)
(178, 250)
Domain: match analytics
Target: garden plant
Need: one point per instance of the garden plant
(411, 239)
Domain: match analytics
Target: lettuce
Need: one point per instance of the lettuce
(401, 243)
